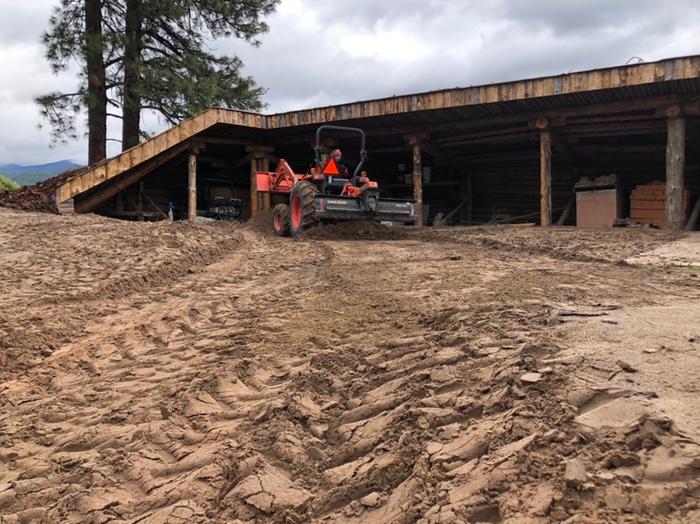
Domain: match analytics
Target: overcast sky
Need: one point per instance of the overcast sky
(320, 52)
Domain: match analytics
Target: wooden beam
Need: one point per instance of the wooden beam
(265, 166)
(555, 117)
(91, 202)
(417, 177)
(253, 186)
(545, 178)
(602, 150)
(567, 210)
(260, 156)
(222, 140)
(562, 86)
(156, 207)
(192, 185)
(675, 168)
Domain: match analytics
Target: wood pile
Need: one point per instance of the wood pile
(648, 204)
(38, 197)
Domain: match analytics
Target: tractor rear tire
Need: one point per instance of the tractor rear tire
(302, 207)
(280, 220)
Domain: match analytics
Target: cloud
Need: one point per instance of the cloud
(322, 53)
(327, 53)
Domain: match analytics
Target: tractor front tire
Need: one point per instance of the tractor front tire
(302, 207)
(280, 220)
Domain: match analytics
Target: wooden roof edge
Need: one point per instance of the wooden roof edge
(621, 76)
(187, 129)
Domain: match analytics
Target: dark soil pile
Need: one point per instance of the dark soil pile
(39, 197)
(356, 230)
(261, 222)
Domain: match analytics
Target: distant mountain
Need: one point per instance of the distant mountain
(27, 175)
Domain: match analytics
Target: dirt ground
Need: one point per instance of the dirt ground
(156, 372)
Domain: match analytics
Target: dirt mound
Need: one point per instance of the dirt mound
(97, 259)
(356, 230)
(39, 197)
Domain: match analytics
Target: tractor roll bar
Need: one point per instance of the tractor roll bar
(363, 150)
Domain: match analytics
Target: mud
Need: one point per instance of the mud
(356, 230)
(434, 378)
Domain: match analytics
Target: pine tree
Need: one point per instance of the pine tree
(154, 57)
(76, 34)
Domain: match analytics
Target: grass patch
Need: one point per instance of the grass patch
(7, 184)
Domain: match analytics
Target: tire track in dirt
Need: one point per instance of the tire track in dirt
(334, 381)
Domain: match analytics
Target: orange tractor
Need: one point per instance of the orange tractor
(324, 195)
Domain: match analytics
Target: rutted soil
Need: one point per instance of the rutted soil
(437, 379)
(357, 230)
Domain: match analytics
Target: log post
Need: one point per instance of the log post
(415, 142)
(253, 186)
(265, 166)
(259, 161)
(675, 167)
(192, 184)
(545, 173)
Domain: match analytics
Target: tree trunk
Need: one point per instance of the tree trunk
(96, 93)
(131, 104)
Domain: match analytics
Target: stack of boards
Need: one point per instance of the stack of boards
(648, 204)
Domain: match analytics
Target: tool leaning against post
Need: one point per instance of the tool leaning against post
(324, 195)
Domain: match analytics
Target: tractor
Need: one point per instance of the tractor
(324, 195)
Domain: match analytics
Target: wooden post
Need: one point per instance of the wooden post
(417, 178)
(192, 185)
(253, 186)
(265, 166)
(259, 161)
(545, 179)
(675, 167)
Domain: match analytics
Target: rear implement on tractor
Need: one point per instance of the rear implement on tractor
(325, 195)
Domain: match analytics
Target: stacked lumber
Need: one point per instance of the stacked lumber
(648, 203)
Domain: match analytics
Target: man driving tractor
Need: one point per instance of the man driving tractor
(336, 156)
